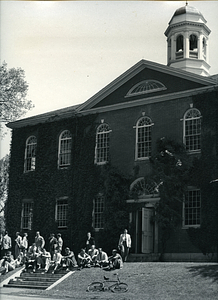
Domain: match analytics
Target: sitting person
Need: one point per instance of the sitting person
(7, 262)
(84, 260)
(56, 262)
(69, 259)
(115, 260)
(32, 249)
(31, 259)
(101, 258)
(44, 259)
(93, 252)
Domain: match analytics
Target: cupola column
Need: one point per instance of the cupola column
(186, 45)
(200, 47)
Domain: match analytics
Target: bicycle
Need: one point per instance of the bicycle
(116, 287)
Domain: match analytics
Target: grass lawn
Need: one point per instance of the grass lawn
(194, 281)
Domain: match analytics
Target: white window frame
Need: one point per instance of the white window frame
(193, 116)
(147, 139)
(98, 212)
(61, 212)
(27, 214)
(64, 149)
(30, 154)
(192, 212)
(102, 144)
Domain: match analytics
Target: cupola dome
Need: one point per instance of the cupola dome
(187, 39)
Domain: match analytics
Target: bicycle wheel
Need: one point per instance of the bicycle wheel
(95, 287)
(119, 288)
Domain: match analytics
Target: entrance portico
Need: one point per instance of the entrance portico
(142, 217)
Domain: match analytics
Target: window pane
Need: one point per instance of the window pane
(192, 208)
(98, 212)
(27, 215)
(102, 144)
(30, 154)
(65, 145)
(144, 137)
(61, 212)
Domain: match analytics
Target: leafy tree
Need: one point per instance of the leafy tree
(13, 93)
(171, 169)
(4, 176)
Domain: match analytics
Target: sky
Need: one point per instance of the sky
(70, 50)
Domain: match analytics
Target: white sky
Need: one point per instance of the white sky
(70, 50)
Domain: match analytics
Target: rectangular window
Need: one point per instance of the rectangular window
(27, 215)
(193, 134)
(98, 212)
(61, 212)
(102, 147)
(192, 208)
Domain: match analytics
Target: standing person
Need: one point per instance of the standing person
(59, 242)
(18, 244)
(52, 244)
(6, 243)
(89, 242)
(25, 241)
(124, 244)
(39, 241)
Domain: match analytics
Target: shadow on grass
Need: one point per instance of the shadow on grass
(209, 271)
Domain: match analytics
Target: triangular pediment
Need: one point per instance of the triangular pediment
(145, 80)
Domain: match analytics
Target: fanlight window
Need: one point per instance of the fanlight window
(192, 130)
(146, 86)
(30, 154)
(65, 142)
(102, 144)
(143, 188)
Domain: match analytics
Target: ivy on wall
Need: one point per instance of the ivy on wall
(80, 183)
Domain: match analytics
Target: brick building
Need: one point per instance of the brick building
(59, 159)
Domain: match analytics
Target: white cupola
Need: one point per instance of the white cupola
(187, 40)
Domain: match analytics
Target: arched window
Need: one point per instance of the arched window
(102, 144)
(193, 42)
(179, 43)
(143, 138)
(30, 154)
(64, 153)
(192, 130)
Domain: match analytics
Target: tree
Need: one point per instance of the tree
(4, 177)
(13, 93)
(171, 169)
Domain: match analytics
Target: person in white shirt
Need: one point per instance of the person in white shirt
(93, 252)
(124, 244)
(102, 258)
(56, 262)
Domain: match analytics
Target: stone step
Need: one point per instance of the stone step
(43, 279)
(17, 285)
(29, 283)
(35, 280)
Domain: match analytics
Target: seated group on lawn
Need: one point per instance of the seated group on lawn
(37, 257)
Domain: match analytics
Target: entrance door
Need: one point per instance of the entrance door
(147, 231)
